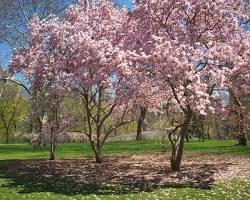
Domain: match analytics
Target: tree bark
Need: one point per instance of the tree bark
(208, 134)
(202, 131)
(187, 137)
(217, 130)
(52, 148)
(52, 155)
(98, 156)
(97, 148)
(227, 133)
(140, 123)
(243, 139)
(178, 146)
(7, 136)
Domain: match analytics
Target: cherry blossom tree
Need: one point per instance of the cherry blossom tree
(47, 90)
(192, 47)
(165, 54)
(46, 98)
(82, 53)
(47, 104)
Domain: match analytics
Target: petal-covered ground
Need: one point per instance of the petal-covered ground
(123, 174)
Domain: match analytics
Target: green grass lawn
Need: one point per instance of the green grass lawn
(237, 189)
(25, 151)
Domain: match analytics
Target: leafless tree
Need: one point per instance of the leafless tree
(16, 15)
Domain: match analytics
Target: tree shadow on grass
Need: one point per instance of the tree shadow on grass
(116, 175)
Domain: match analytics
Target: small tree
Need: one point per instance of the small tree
(54, 123)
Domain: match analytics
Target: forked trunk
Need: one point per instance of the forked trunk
(178, 147)
(52, 151)
(52, 155)
(98, 157)
(97, 148)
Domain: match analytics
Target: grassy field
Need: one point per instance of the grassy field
(25, 151)
(237, 189)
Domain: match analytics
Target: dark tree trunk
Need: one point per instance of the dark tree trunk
(227, 133)
(202, 131)
(187, 137)
(52, 155)
(7, 136)
(217, 130)
(242, 134)
(208, 134)
(97, 148)
(52, 146)
(98, 156)
(199, 137)
(140, 123)
(178, 146)
(52, 151)
(85, 124)
(243, 140)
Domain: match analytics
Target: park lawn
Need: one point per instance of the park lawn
(236, 189)
(25, 151)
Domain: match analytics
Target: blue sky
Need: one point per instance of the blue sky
(5, 53)
(5, 50)
(126, 3)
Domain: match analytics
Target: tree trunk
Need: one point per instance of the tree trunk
(217, 130)
(97, 148)
(202, 131)
(52, 151)
(52, 145)
(187, 137)
(177, 149)
(243, 136)
(243, 139)
(227, 132)
(98, 154)
(140, 123)
(7, 136)
(208, 134)
(52, 155)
